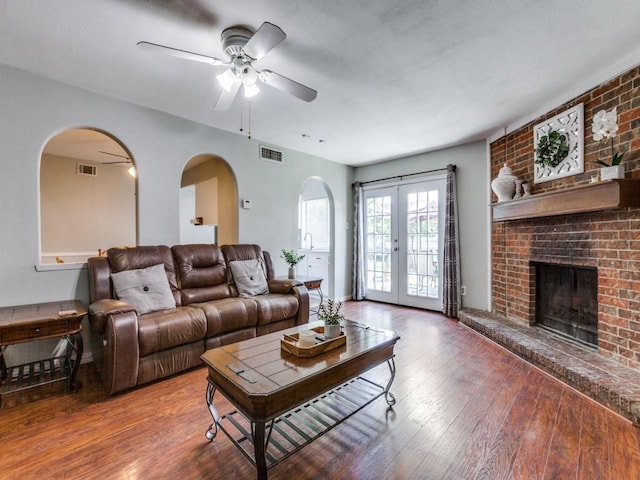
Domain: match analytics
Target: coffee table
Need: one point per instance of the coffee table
(283, 402)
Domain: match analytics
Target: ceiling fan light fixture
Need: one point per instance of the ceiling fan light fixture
(250, 90)
(226, 79)
(248, 75)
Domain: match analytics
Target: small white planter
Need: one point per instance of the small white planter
(608, 173)
(331, 331)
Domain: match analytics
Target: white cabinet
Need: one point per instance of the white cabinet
(316, 264)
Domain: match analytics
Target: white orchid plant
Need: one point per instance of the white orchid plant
(605, 126)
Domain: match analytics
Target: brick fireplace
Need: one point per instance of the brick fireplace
(607, 239)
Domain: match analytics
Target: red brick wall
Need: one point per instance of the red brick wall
(608, 240)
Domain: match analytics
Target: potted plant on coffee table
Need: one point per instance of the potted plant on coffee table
(292, 259)
(329, 313)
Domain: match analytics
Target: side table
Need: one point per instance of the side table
(26, 323)
(312, 283)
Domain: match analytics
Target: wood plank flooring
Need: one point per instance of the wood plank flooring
(466, 409)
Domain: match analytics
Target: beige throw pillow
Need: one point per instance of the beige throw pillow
(146, 289)
(249, 277)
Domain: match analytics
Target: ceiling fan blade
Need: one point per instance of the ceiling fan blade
(176, 52)
(114, 155)
(266, 38)
(287, 85)
(226, 97)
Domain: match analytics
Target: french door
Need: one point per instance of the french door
(404, 228)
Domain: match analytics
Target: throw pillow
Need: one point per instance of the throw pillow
(146, 289)
(249, 277)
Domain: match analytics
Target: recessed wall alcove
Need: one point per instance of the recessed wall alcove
(88, 200)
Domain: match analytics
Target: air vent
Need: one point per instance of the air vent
(267, 153)
(86, 169)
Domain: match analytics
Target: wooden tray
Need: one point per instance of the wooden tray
(321, 346)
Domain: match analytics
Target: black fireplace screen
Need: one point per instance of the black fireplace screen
(567, 300)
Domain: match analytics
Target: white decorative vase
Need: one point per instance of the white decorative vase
(292, 272)
(331, 331)
(608, 173)
(504, 185)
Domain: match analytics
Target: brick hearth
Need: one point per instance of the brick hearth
(604, 380)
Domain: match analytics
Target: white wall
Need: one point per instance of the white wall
(473, 199)
(34, 109)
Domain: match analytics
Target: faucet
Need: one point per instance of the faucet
(305, 239)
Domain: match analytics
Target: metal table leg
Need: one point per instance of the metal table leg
(212, 431)
(77, 346)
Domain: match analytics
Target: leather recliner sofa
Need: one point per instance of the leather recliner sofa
(211, 309)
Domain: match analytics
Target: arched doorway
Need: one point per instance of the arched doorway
(316, 231)
(87, 196)
(208, 201)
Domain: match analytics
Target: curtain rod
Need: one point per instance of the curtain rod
(400, 177)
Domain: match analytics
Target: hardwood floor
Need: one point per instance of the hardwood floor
(466, 409)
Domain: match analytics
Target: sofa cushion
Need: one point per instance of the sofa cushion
(130, 258)
(229, 314)
(249, 277)
(146, 289)
(166, 329)
(274, 307)
(202, 273)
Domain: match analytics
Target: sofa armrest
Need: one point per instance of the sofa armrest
(114, 331)
(302, 294)
(283, 285)
(101, 309)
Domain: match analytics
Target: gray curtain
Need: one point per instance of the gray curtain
(451, 272)
(357, 281)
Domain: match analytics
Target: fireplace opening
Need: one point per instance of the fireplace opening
(567, 301)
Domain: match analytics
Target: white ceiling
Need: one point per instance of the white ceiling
(394, 77)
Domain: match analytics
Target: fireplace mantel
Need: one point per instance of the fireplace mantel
(607, 195)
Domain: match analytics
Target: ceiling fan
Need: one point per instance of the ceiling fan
(244, 49)
(126, 159)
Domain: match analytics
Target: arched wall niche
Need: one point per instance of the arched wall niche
(88, 196)
(316, 231)
(208, 191)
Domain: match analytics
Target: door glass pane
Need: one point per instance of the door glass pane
(378, 252)
(422, 244)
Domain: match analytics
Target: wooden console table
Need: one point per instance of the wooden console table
(312, 283)
(26, 323)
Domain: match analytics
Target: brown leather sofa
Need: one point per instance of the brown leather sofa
(131, 349)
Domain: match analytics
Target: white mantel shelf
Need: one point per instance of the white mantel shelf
(607, 195)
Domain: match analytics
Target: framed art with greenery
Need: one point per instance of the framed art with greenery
(558, 145)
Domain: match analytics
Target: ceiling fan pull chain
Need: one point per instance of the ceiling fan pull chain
(241, 111)
(249, 120)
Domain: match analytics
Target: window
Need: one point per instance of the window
(314, 223)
